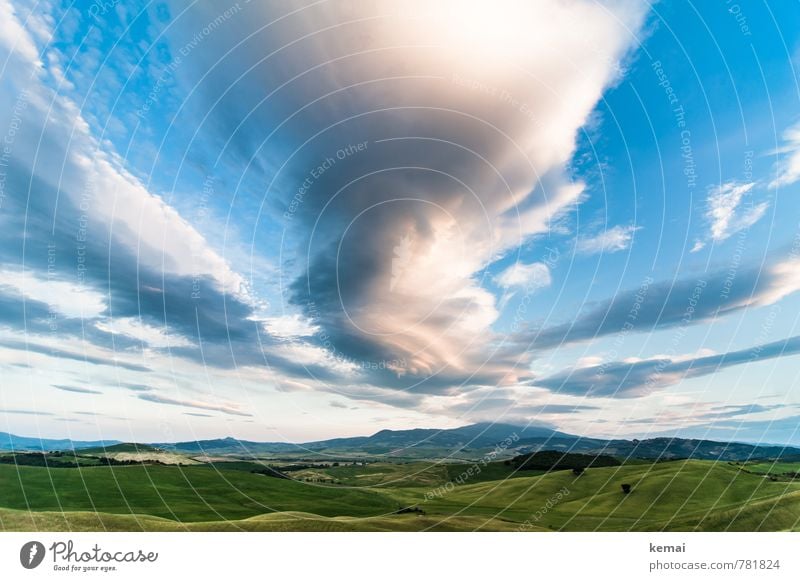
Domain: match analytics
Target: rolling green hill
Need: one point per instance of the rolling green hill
(185, 494)
(678, 495)
(277, 522)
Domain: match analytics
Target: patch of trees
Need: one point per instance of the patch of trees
(37, 459)
(552, 460)
(626, 488)
(298, 467)
(109, 461)
(409, 510)
(48, 460)
(271, 472)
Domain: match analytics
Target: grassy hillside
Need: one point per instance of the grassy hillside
(677, 495)
(195, 493)
(683, 495)
(279, 522)
(389, 475)
(776, 467)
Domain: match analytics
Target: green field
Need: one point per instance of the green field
(184, 494)
(678, 495)
(776, 468)
(681, 495)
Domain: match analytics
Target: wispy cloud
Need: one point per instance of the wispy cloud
(777, 430)
(529, 276)
(75, 389)
(64, 354)
(64, 297)
(726, 214)
(787, 169)
(136, 387)
(609, 241)
(685, 302)
(625, 379)
(230, 409)
(136, 329)
(290, 326)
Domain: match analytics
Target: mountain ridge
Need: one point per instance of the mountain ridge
(472, 440)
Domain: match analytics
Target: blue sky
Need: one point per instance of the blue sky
(315, 219)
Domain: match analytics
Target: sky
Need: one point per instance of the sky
(309, 219)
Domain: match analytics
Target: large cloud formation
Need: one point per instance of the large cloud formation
(414, 144)
(388, 163)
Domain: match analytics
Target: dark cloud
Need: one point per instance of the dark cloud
(61, 353)
(635, 379)
(26, 412)
(75, 389)
(136, 387)
(778, 431)
(38, 318)
(660, 305)
(556, 408)
(228, 409)
(496, 404)
(735, 411)
(99, 415)
(220, 324)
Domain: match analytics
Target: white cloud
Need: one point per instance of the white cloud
(531, 276)
(724, 214)
(436, 316)
(136, 329)
(290, 326)
(14, 38)
(506, 136)
(142, 221)
(55, 134)
(784, 280)
(589, 361)
(306, 354)
(65, 298)
(788, 168)
(611, 240)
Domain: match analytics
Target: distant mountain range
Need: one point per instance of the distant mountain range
(419, 442)
(12, 442)
(472, 441)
